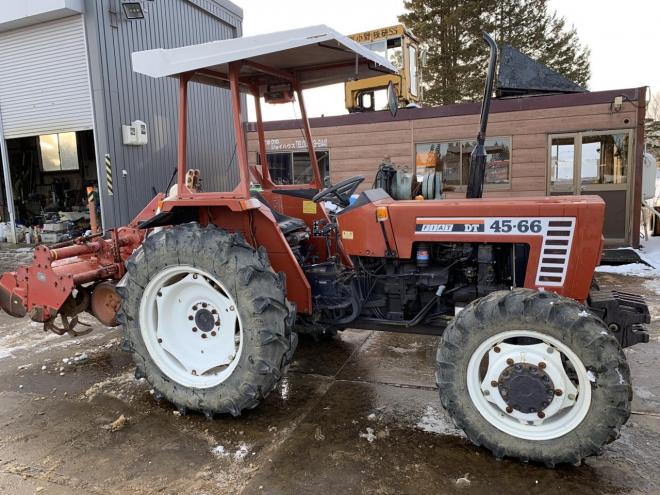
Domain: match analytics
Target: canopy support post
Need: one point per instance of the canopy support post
(263, 157)
(182, 134)
(317, 181)
(243, 187)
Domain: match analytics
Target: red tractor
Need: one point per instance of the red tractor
(213, 287)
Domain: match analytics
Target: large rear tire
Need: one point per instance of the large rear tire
(206, 319)
(534, 376)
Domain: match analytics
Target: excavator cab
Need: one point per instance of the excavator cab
(399, 46)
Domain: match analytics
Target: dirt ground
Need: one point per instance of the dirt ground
(358, 414)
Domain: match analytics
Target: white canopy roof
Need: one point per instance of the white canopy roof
(317, 55)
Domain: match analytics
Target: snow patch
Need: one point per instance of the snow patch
(621, 380)
(369, 435)
(219, 451)
(432, 422)
(242, 452)
(649, 252)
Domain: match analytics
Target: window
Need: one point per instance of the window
(295, 168)
(412, 58)
(562, 156)
(390, 49)
(452, 158)
(589, 159)
(59, 152)
(605, 159)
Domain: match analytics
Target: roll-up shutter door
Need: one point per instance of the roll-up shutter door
(44, 79)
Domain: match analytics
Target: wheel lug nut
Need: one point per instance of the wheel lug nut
(160, 341)
(217, 323)
(493, 383)
(214, 311)
(213, 334)
(542, 365)
(194, 372)
(231, 308)
(509, 362)
(496, 349)
(159, 294)
(509, 409)
(204, 305)
(194, 329)
(203, 335)
(558, 392)
(541, 414)
(195, 307)
(190, 317)
(550, 350)
(194, 275)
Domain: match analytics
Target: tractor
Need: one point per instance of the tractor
(213, 288)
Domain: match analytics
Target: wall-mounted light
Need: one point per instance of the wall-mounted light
(133, 10)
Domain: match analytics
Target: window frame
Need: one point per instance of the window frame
(59, 153)
(463, 187)
(291, 153)
(577, 187)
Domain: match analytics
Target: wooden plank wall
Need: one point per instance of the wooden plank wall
(358, 149)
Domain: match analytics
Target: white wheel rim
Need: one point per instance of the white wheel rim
(565, 410)
(191, 327)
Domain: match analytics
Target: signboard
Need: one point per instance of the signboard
(294, 144)
(377, 34)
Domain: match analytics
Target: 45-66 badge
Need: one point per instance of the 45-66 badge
(493, 225)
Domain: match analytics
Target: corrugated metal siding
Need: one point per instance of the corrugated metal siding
(129, 96)
(44, 81)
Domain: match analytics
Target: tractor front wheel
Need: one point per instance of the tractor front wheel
(534, 376)
(206, 319)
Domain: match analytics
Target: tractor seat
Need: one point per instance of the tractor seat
(286, 223)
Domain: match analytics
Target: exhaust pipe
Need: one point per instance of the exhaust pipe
(478, 157)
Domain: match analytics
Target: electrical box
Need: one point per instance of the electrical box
(649, 177)
(135, 134)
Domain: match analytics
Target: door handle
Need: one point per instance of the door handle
(583, 188)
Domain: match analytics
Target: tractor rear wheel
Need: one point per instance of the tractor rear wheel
(206, 319)
(534, 376)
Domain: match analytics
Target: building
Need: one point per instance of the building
(69, 99)
(582, 143)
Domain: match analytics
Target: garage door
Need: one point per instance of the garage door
(44, 81)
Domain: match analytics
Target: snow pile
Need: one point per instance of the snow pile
(650, 253)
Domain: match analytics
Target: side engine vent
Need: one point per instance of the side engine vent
(555, 252)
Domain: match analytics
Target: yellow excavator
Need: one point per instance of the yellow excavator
(398, 45)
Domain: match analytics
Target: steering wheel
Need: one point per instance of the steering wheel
(341, 192)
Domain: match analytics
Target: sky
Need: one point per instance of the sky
(623, 38)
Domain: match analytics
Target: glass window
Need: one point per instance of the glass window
(412, 58)
(453, 159)
(498, 160)
(379, 47)
(59, 152)
(391, 50)
(395, 52)
(562, 159)
(279, 166)
(295, 168)
(605, 159)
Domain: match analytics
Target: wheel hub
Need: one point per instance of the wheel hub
(205, 320)
(526, 388)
